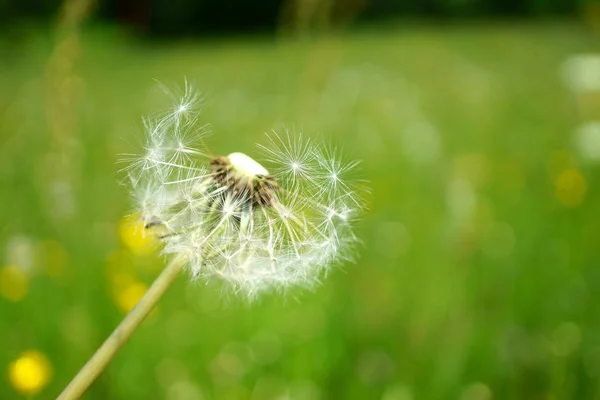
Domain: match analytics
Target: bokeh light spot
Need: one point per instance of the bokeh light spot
(30, 373)
(570, 187)
(398, 391)
(421, 143)
(14, 283)
(581, 72)
(587, 141)
(566, 338)
(128, 297)
(134, 237)
(55, 257)
(476, 391)
(184, 390)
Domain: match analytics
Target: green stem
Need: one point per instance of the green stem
(94, 367)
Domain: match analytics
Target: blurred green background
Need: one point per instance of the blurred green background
(479, 274)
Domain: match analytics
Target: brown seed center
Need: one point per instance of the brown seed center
(256, 188)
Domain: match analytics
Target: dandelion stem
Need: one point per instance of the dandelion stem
(94, 367)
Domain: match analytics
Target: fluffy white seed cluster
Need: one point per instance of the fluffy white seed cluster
(257, 227)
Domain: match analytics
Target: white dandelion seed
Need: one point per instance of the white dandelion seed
(231, 218)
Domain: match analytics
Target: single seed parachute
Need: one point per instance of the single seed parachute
(256, 228)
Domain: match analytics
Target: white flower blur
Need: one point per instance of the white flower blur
(581, 72)
(587, 141)
(257, 226)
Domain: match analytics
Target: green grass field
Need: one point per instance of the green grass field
(480, 270)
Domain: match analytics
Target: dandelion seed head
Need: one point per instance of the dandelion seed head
(256, 226)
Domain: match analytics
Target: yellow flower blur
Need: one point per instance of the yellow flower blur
(570, 187)
(30, 373)
(128, 297)
(135, 238)
(14, 283)
(56, 258)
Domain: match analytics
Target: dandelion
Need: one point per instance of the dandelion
(232, 219)
(256, 227)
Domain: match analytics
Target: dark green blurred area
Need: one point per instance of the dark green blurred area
(479, 273)
(209, 17)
